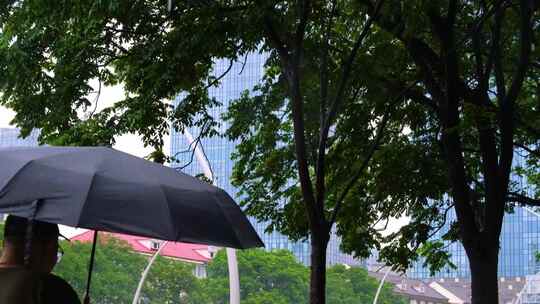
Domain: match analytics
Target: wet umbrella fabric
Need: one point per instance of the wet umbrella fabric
(107, 190)
(103, 189)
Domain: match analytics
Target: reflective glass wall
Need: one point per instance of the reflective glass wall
(9, 137)
(520, 241)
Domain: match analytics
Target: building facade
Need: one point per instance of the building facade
(520, 242)
(530, 293)
(243, 76)
(196, 254)
(415, 291)
(458, 291)
(9, 137)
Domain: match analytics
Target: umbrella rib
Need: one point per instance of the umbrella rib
(61, 153)
(86, 199)
(171, 222)
(15, 176)
(31, 161)
(217, 201)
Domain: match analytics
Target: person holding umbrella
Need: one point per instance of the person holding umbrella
(29, 255)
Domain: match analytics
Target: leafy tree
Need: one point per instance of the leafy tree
(265, 277)
(477, 81)
(313, 135)
(117, 272)
(276, 277)
(354, 285)
(267, 298)
(314, 96)
(51, 52)
(351, 88)
(114, 263)
(172, 281)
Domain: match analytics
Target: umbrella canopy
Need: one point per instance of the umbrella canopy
(103, 189)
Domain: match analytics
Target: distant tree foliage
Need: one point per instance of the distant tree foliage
(276, 277)
(265, 278)
(117, 271)
(354, 285)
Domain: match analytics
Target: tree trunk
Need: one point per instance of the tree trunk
(317, 289)
(484, 282)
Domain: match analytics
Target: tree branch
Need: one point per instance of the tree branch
(362, 168)
(243, 64)
(525, 53)
(427, 60)
(192, 147)
(118, 46)
(347, 68)
(496, 50)
(320, 166)
(415, 93)
(449, 115)
(96, 100)
(438, 228)
(496, 6)
(507, 107)
(291, 71)
(275, 40)
(330, 116)
(216, 81)
(529, 150)
(481, 76)
(305, 10)
(452, 12)
(382, 228)
(522, 199)
(369, 156)
(486, 131)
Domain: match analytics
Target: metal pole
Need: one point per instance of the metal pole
(90, 269)
(232, 262)
(145, 273)
(381, 285)
(234, 278)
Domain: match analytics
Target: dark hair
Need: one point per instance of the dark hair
(16, 227)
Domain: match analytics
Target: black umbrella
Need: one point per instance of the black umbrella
(103, 189)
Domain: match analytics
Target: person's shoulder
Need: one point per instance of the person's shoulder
(56, 280)
(55, 286)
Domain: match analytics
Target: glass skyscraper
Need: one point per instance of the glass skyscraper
(9, 137)
(520, 241)
(241, 77)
